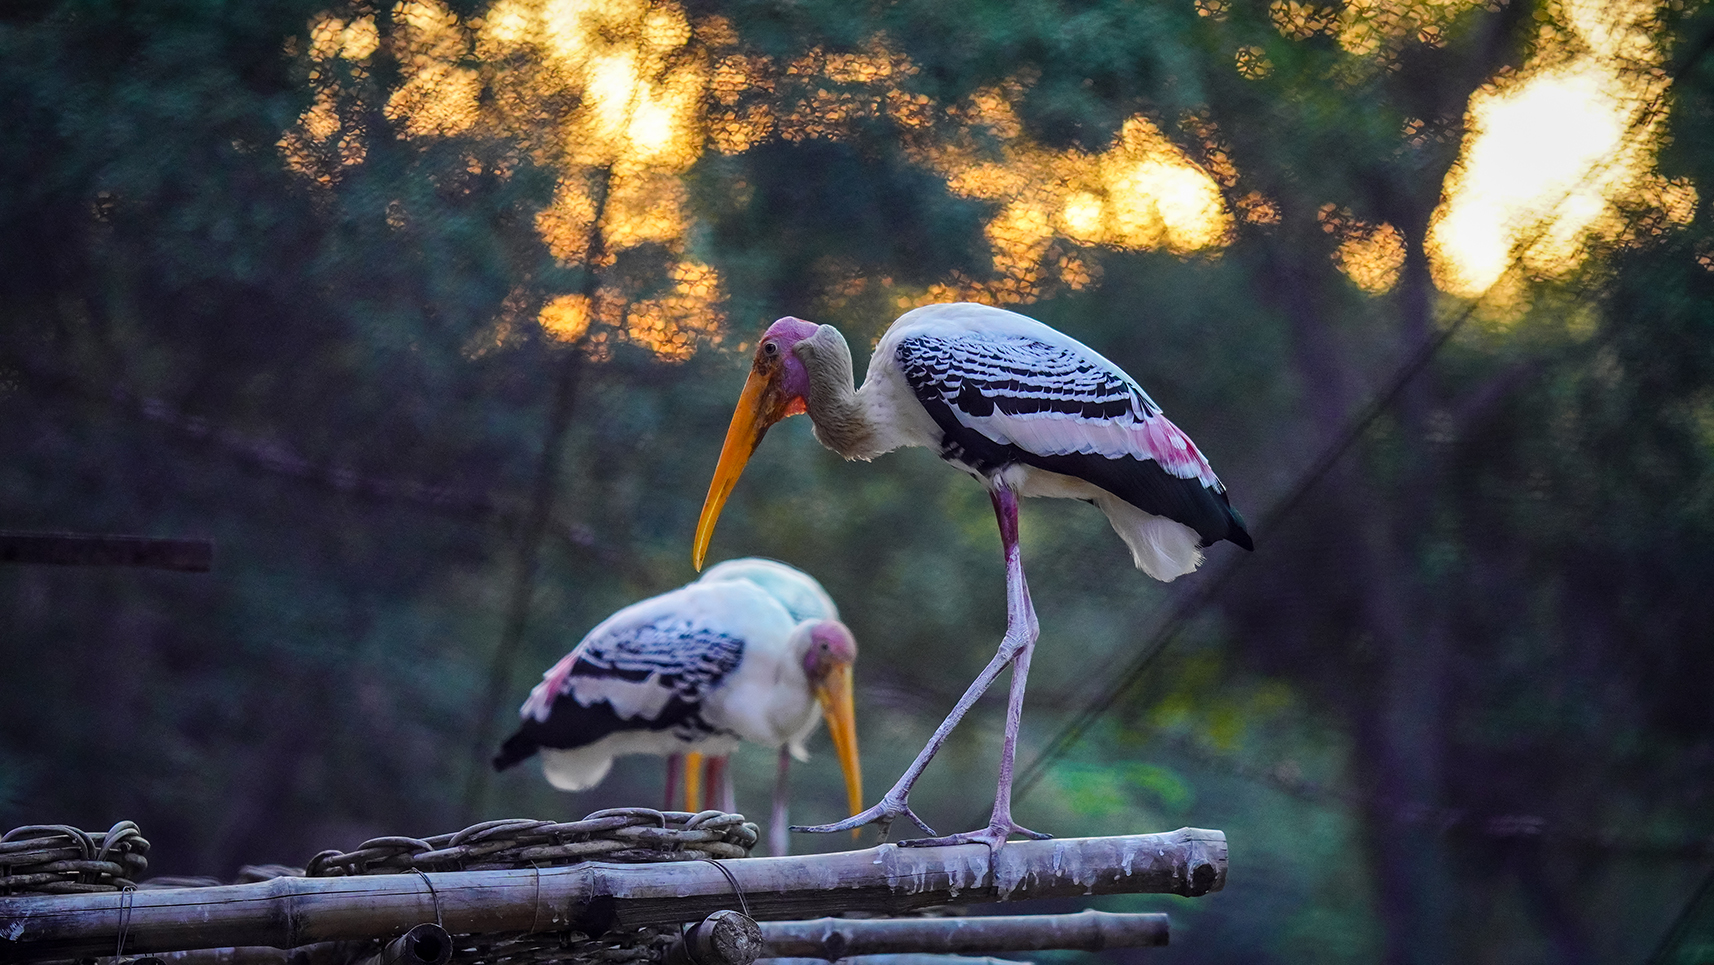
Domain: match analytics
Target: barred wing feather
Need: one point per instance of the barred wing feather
(1002, 398)
(639, 668)
(644, 671)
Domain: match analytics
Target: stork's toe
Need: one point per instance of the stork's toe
(882, 814)
(994, 836)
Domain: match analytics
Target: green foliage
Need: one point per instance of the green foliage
(1492, 608)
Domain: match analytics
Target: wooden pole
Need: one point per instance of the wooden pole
(594, 897)
(908, 958)
(1085, 931)
(855, 941)
(72, 549)
(425, 944)
(723, 938)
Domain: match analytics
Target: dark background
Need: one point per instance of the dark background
(1457, 706)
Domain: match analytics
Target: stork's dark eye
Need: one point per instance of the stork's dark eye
(770, 348)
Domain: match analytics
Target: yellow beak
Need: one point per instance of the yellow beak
(759, 406)
(840, 709)
(693, 782)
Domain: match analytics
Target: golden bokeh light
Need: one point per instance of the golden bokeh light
(565, 318)
(1301, 20)
(1142, 193)
(438, 97)
(1371, 255)
(606, 92)
(673, 323)
(1252, 62)
(1559, 156)
(653, 90)
(1379, 29)
(620, 98)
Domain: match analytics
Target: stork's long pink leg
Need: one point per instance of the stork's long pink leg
(715, 779)
(673, 763)
(1015, 648)
(721, 793)
(779, 842)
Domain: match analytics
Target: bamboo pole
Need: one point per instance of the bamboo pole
(837, 938)
(852, 941)
(909, 958)
(595, 896)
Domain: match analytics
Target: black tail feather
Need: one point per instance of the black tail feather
(1235, 530)
(517, 748)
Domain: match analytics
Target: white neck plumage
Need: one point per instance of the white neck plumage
(841, 420)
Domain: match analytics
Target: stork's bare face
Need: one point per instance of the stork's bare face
(774, 390)
(828, 664)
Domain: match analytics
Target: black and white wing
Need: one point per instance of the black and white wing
(1016, 394)
(649, 673)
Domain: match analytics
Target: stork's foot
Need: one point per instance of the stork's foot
(994, 836)
(884, 814)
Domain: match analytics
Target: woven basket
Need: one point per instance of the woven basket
(631, 835)
(57, 859)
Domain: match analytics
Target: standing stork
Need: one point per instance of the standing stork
(1026, 409)
(752, 651)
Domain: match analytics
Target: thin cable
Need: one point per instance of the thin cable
(1680, 927)
(743, 905)
(433, 895)
(536, 902)
(1189, 606)
(127, 901)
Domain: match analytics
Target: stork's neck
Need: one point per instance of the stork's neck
(841, 422)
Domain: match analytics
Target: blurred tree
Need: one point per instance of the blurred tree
(430, 314)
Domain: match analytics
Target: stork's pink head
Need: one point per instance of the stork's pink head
(830, 645)
(776, 345)
(777, 388)
(828, 654)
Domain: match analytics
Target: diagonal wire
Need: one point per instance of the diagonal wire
(1681, 931)
(1446, 819)
(1190, 606)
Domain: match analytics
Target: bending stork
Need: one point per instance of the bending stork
(753, 651)
(1024, 408)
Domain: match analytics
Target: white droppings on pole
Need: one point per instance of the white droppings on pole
(827, 877)
(909, 871)
(968, 870)
(1010, 874)
(1129, 856)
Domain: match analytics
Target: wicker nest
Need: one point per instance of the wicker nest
(57, 859)
(632, 835)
